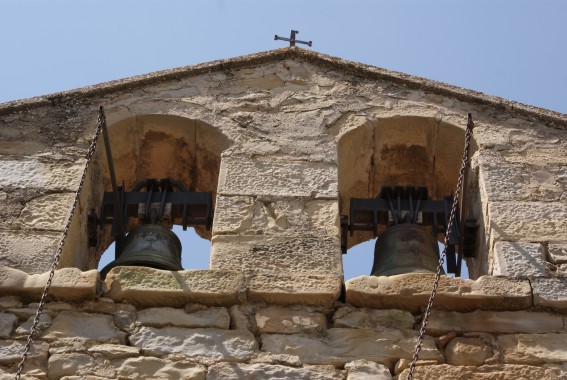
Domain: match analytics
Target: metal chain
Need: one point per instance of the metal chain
(90, 153)
(464, 165)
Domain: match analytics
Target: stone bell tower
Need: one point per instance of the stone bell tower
(282, 141)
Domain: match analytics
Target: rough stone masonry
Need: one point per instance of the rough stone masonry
(283, 139)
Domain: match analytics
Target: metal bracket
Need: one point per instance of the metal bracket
(152, 199)
(409, 204)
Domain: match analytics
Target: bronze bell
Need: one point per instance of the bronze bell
(149, 245)
(405, 248)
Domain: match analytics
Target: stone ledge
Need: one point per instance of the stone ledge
(289, 289)
(411, 292)
(146, 287)
(69, 284)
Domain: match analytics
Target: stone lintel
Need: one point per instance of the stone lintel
(69, 284)
(411, 292)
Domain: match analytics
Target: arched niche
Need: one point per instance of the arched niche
(146, 147)
(398, 151)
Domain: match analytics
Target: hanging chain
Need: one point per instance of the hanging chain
(427, 313)
(90, 153)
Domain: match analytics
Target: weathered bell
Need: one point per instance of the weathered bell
(405, 248)
(149, 245)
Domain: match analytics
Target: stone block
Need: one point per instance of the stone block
(248, 215)
(558, 253)
(277, 254)
(234, 215)
(205, 345)
(280, 359)
(403, 364)
(348, 316)
(289, 289)
(485, 372)
(148, 287)
(155, 368)
(11, 351)
(411, 292)
(516, 259)
(106, 306)
(339, 346)
(499, 322)
(262, 371)
(528, 221)
(68, 283)
(7, 323)
(533, 349)
(24, 329)
(278, 320)
(521, 182)
(270, 177)
(48, 176)
(114, 351)
(550, 293)
(367, 370)
(467, 351)
(216, 317)
(48, 212)
(10, 302)
(68, 364)
(90, 327)
(29, 251)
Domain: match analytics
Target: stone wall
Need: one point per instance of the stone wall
(283, 139)
(196, 328)
(294, 135)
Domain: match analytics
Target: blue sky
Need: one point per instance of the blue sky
(515, 49)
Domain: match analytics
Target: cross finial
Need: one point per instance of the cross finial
(292, 39)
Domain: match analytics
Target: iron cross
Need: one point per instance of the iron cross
(292, 39)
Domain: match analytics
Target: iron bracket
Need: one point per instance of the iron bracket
(409, 204)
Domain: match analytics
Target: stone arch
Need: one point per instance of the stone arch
(144, 147)
(399, 151)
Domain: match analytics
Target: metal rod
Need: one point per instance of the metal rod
(117, 203)
(418, 206)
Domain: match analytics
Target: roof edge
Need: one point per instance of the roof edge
(360, 69)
